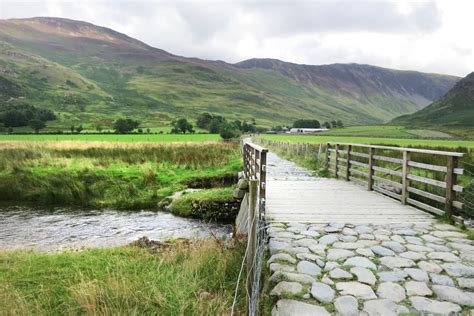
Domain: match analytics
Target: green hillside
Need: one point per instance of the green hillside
(456, 108)
(92, 75)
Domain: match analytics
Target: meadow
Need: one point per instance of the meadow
(386, 131)
(132, 138)
(178, 278)
(121, 175)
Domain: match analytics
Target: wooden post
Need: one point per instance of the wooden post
(251, 237)
(450, 182)
(263, 177)
(328, 155)
(337, 161)
(405, 172)
(370, 172)
(348, 164)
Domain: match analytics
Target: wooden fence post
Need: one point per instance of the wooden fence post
(370, 172)
(337, 160)
(348, 164)
(450, 182)
(405, 172)
(263, 176)
(251, 237)
(328, 155)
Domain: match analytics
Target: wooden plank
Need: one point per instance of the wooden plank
(389, 193)
(389, 171)
(342, 159)
(361, 173)
(337, 160)
(358, 154)
(395, 184)
(360, 164)
(428, 195)
(427, 166)
(388, 159)
(413, 150)
(425, 207)
(434, 182)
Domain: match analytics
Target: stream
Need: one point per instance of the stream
(64, 228)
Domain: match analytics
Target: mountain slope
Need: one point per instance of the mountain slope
(456, 108)
(89, 74)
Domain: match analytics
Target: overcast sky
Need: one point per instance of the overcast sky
(432, 36)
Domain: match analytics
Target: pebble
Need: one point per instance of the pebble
(281, 267)
(430, 267)
(360, 262)
(395, 246)
(364, 275)
(458, 270)
(322, 292)
(338, 254)
(412, 255)
(347, 305)
(291, 276)
(455, 295)
(396, 262)
(383, 307)
(328, 239)
(426, 305)
(394, 276)
(417, 288)
(417, 274)
(296, 308)
(365, 252)
(441, 279)
(445, 256)
(285, 288)
(338, 273)
(382, 251)
(281, 257)
(466, 283)
(307, 267)
(392, 291)
(356, 289)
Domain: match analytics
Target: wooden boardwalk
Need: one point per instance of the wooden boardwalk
(293, 195)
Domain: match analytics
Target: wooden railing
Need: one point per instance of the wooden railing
(255, 164)
(431, 187)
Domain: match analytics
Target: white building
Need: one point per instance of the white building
(302, 130)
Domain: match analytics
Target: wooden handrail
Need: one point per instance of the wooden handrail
(368, 168)
(255, 165)
(413, 150)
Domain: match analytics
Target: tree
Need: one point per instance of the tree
(334, 124)
(339, 124)
(182, 126)
(306, 124)
(326, 125)
(228, 132)
(203, 120)
(99, 128)
(79, 129)
(123, 126)
(72, 129)
(37, 125)
(148, 131)
(14, 118)
(277, 128)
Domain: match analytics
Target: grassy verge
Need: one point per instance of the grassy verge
(212, 204)
(187, 280)
(119, 175)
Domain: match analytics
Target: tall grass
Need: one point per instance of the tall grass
(100, 174)
(187, 280)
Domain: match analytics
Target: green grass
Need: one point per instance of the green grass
(114, 137)
(323, 139)
(385, 131)
(206, 199)
(105, 174)
(187, 280)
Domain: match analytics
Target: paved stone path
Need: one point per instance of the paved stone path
(367, 269)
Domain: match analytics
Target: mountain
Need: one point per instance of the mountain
(456, 108)
(89, 74)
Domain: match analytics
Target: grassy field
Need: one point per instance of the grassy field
(322, 139)
(386, 131)
(114, 137)
(103, 174)
(189, 279)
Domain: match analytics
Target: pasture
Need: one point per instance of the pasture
(132, 138)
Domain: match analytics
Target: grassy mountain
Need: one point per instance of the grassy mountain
(456, 108)
(89, 74)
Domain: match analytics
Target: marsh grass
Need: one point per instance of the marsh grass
(187, 280)
(100, 174)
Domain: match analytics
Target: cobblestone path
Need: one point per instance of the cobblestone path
(367, 269)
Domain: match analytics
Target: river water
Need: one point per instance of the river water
(63, 228)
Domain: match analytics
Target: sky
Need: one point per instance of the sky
(431, 36)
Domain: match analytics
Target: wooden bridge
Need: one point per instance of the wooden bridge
(380, 184)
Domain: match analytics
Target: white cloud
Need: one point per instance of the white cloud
(432, 36)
